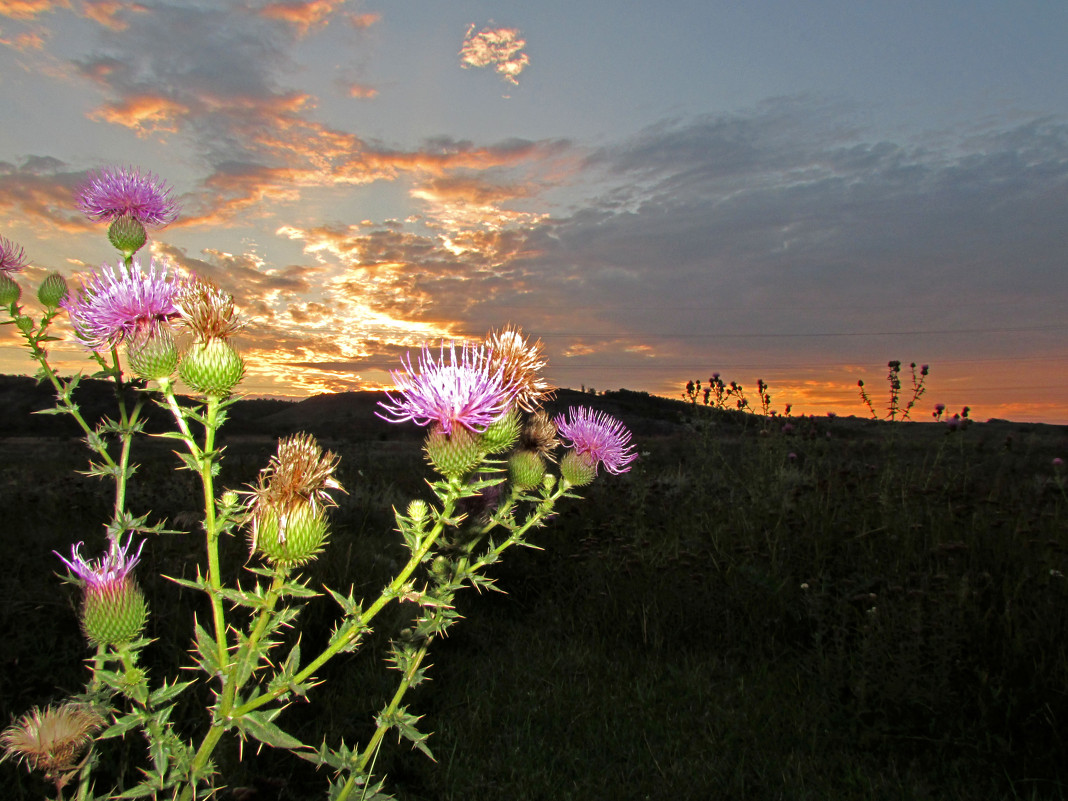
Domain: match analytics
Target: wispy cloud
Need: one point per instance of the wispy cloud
(29, 9)
(500, 48)
(303, 16)
(361, 91)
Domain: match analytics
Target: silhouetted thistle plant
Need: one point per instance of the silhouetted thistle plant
(492, 445)
(894, 409)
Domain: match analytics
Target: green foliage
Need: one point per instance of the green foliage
(246, 645)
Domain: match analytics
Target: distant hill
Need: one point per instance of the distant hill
(351, 415)
(345, 414)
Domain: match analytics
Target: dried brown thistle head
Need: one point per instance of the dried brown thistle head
(539, 435)
(206, 310)
(521, 363)
(53, 739)
(299, 474)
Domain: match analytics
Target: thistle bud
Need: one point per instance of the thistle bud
(440, 568)
(526, 469)
(52, 291)
(24, 323)
(294, 538)
(577, 470)
(10, 291)
(212, 367)
(113, 608)
(454, 454)
(127, 234)
(417, 510)
(502, 433)
(287, 507)
(114, 615)
(153, 354)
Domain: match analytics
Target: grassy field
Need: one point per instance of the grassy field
(851, 610)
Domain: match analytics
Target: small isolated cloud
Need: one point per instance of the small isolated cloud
(303, 16)
(364, 20)
(362, 92)
(144, 113)
(500, 48)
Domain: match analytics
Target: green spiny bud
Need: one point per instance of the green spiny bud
(24, 323)
(526, 469)
(417, 510)
(52, 291)
(576, 470)
(10, 291)
(127, 234)
(454, 454)
(114, 614)
(440, 567)
(503, 433)
(212, 367)
(291, 539)
(153, 355)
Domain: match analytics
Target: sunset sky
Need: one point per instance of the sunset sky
(793, 191)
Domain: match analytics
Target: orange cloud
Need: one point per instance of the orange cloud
(29, 9)
(302, 16)
(43, 201)
(364, 20)
(362, 92)
(144, 113)
(106, 12)
(31, 40)
(500, 48)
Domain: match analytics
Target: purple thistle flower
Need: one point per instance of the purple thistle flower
(12, 256)
(119, 191)
(115, 305)
(107, 572)
(597, 437)
(463, 391)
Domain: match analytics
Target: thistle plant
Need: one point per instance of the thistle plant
(897, 408)
(488, 439)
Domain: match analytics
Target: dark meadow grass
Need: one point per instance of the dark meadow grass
(851, 610)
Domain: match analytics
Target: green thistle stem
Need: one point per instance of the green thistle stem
(211, 526)
(376, 739)
(99, 663)
(353, 628)
(204, 458)
(40, 355)
(227, 714)
(128, 422)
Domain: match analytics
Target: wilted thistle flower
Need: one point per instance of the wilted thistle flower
(12, 257)
(596, 439)
(521, 364)
(116, 192)
(286, 508)
(117, 304)
(113, 608)
(206, 311)
(211, 365)
(52, 740)
(539, 434)
(462, 391)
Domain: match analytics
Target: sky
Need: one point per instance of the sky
(791, 191)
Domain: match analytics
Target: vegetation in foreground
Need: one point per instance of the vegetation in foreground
(846, 609)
